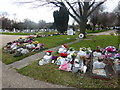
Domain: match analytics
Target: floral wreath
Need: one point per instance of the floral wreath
(81, 35)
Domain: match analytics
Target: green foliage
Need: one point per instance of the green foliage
(61, 19)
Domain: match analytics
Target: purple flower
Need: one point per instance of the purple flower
(29, 41)
(41, 45)
(54, 57)
(117, 55)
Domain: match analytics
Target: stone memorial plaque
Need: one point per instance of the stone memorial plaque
(70, 32)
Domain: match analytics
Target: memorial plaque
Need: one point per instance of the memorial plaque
(70, 32)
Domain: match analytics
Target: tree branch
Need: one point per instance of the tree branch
(95, 8)
(36, 6)
(74, 17)
(55, 3)
(91, 4)
(73, 9)
(80, 8)
(85, 9)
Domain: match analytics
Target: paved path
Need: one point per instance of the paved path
(4, 39)
(12, 79)
(0, 75)
(104, 33)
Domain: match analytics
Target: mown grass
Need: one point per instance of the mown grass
(95, 31)
(56, 40)
(50, 72)
(8, 58)
(49, 43)
(18, 33)
(92, 31)
(102, 40)
(45, 33)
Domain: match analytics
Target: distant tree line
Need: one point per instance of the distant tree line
(101, 19)
(26, 24)
(98, 18)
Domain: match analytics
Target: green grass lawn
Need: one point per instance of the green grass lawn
(8, 58)
(18, 33)
(95, 31)
(91, 31)
(45, 33)
(50, 72)
(49, 43)
(56, 40)
(102, 40)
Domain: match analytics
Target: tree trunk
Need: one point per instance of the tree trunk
(83, 26)
(118, 22)
(93, 29)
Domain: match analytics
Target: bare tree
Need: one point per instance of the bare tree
(86, 8)
(6, 23)
(94, 17)
(112, 19)
(41, 24)
(4, 14)
(103, 19)
(117, 11)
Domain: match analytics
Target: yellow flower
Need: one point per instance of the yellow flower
(35, 42)
(58, 57)
(20, 37)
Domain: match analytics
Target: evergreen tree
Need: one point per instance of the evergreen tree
(61, 19)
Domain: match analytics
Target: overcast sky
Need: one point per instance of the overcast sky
(36, 14)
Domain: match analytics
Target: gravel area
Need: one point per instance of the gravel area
(4, 39)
